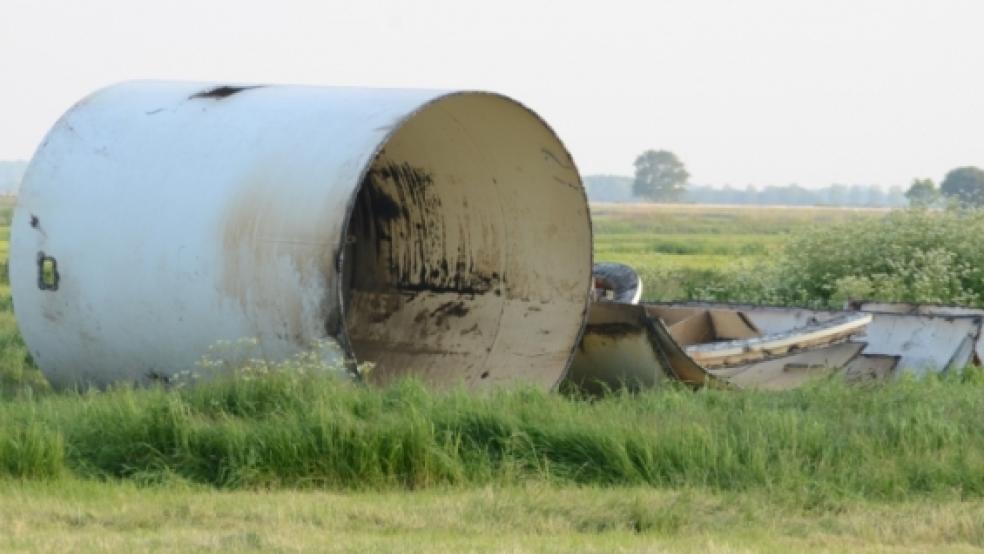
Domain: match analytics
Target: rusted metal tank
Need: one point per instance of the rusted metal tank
(440, 234)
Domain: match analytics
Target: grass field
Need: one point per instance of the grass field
(677, 248)
(289, 459)
(84, 516)
(302, 462)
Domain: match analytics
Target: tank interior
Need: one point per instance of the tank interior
(467, 257)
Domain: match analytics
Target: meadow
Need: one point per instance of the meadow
(289, 458)
(680, 250)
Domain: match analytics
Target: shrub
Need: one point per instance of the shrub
(917, 256)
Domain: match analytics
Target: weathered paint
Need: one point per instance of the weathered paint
(623, 346)
(924, 309)
(870, 367)
(792, 370)
(732, 352)
(617, 351)
(440, 234)
(924, 343)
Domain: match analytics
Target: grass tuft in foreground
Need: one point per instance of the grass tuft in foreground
(304, 428)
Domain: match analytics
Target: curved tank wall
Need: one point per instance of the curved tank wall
(440, 234)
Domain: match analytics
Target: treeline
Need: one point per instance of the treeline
(618, 188)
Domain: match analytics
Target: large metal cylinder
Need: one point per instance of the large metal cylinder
(444, 235)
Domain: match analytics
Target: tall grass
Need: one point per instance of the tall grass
(302, 428)
(17, 370)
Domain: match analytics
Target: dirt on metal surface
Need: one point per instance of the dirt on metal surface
(793, 370)
(441, 279)
(870, 368)
(623, 346)
(617, 351)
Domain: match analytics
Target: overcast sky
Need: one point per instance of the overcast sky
(765, 92)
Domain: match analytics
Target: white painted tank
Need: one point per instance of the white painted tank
(440, 234)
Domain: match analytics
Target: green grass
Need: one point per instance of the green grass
(690, 244)
(16, 369)
(296, 426)
(86, 516)
(797, 256)
(687, 219)
(304, 463)
(680, 250)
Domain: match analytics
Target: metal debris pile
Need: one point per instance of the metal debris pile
(637, 346)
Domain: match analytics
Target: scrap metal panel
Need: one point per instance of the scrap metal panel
(923, 343)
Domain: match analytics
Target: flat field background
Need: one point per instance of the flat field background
(679, 248)
(290, 459)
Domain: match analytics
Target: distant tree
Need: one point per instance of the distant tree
(856, 195)
(922, 193)
(964, 184)
(896, 196)
(876, 196)
(751, 194)
(608, 188)
(659, 175)
(796, 195)
(838, 194)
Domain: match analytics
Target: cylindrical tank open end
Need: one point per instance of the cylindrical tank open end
(467, 251)
(439, 235)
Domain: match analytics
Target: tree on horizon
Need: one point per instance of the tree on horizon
(965, 184)
(660, 176)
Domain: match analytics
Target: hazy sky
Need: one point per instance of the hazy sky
(754, 91)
